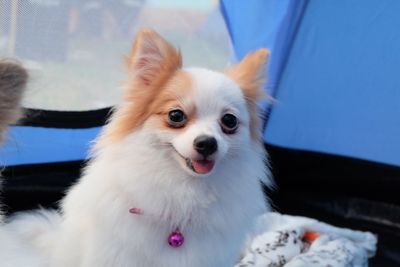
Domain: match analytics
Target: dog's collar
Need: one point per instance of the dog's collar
(175, 238)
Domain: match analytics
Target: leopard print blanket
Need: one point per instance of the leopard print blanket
(281, 240)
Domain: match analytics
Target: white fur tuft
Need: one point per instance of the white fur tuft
(37, 227)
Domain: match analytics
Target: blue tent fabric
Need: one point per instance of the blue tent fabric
(339, 93)
(36, 145)
(263, 23)
(338, 89)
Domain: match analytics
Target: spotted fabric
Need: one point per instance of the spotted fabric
(279, 241)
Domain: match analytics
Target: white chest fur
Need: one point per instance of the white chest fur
(212, 212)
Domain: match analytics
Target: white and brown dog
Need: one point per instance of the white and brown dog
(175, 176)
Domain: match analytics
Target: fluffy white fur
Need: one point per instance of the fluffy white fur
(23, 242)
(143, 169)
(14, 253)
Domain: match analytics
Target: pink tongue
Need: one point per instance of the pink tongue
(203, 166)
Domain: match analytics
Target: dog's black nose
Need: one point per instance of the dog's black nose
(205, 145)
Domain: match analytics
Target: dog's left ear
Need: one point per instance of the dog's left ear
(250, 74)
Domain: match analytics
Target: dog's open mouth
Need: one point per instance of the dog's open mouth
(200, 166)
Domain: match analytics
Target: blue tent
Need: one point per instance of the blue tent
(332, 133)
(333, 71)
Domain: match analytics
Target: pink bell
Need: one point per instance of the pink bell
(176, 239)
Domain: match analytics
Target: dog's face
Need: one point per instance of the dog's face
(199, 116)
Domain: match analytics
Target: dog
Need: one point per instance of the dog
(174, 177)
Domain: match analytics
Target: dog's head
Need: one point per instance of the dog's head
(200, 116)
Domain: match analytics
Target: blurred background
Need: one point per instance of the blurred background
(74, 49)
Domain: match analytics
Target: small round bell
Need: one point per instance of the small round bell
(176, 239)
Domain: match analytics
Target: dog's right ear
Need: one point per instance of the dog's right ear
(151, 63)
(152, 59)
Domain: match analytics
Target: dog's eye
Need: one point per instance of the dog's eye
(229, 123)
(176, 118)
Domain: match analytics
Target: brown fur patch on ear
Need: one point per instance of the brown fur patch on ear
(151, 63)
(250, 75)
(152, 59)
(13, 79)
